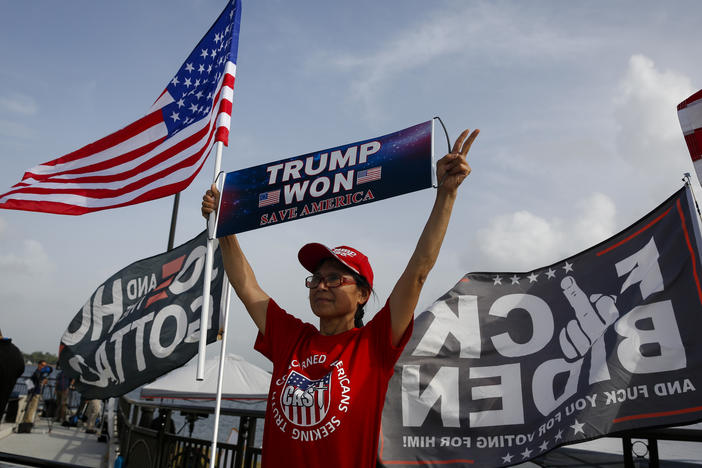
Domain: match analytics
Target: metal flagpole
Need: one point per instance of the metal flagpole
(209, 260)
(220, 374)
(686, 179)
(174, 219)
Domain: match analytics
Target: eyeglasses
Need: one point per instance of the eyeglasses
(333, 280)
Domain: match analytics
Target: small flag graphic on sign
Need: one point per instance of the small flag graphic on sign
(368, 175)
(269, 198)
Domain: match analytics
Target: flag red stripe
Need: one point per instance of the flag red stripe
(222, 134)
(691, 99)
(624, 241)
(111, 193)
(146, 165)
(228, 80)
(70, 209)
(225, 106)
(694, 144)
(111, 140)
(658, 415)
(101, 166)
(172, 267)
(691, 250)
(157, 297)
(113, 162)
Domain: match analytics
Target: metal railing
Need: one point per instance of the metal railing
(652, 436)
(144, 447)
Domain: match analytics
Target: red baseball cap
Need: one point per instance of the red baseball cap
(310, 255)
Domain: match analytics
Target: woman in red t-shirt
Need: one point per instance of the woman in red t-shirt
(329, 383)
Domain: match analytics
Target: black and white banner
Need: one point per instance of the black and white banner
(507, 366)
(142, 322)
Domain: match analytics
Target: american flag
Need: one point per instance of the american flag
(690, 115)
(310, 399)
(269, 198)
(156, 156)
(368, 175)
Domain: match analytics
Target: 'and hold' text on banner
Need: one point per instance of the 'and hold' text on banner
(142, 322)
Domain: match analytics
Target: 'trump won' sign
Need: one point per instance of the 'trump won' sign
(507, 366)
(142, 322)
(327, 180)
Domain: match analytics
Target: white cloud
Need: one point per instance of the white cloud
(19, 104)
(523, 240)
(31, 260)
(648, 100)
(649, 136)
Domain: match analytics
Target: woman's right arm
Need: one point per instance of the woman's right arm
(239, 271)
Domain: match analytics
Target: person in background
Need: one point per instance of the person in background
(63, 388)
(39, 378)
(11, 369)
(92, 413)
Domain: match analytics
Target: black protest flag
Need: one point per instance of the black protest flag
(507, 366)
(142, 322)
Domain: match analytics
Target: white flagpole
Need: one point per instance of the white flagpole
(209, 260)
(222, 360)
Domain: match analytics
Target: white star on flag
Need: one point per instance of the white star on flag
(559, 436)
(507, 458)
(497, 280)
(578, 427)
(551, 273)
(568, 267)
(526, 453)
(515, 279)
(532, 277)
(543, 447)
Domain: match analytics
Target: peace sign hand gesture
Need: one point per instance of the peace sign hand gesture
(452, 169)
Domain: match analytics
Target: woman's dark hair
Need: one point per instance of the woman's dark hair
(361, 283)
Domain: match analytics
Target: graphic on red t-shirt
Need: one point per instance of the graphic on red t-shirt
(305, 402)
(309, 408)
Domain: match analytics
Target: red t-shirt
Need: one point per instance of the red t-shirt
(327, 392)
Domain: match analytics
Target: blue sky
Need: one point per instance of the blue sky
(575, 102)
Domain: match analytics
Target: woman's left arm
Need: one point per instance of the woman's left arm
(451, 170)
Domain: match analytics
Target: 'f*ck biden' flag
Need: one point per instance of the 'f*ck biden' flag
(507, 366)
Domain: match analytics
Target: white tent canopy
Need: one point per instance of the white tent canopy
(242, 380)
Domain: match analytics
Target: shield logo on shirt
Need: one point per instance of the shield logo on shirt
(305, 402)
